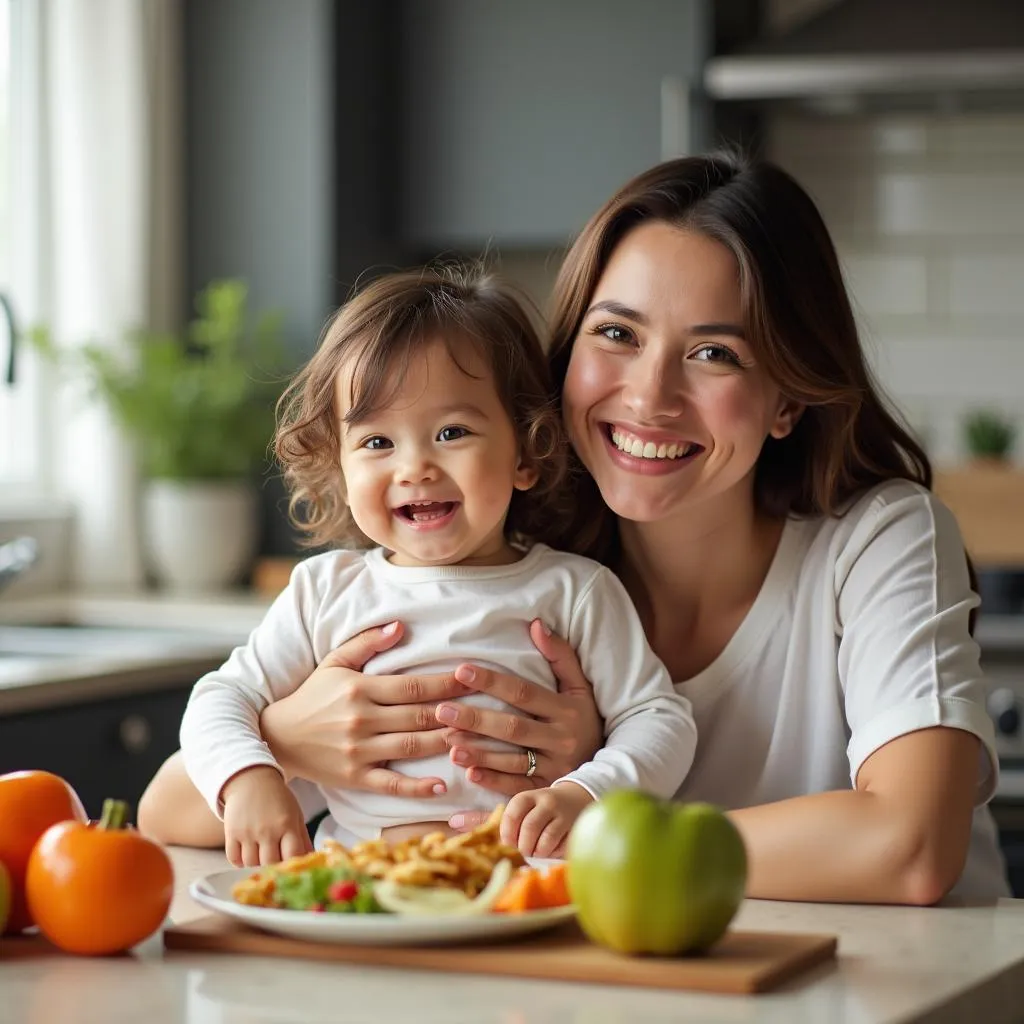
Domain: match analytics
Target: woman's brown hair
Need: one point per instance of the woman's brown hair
(372, 339)
(798, 319)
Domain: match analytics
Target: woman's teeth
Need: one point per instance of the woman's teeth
(648, 449)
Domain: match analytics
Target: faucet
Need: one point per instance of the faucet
(16, 556)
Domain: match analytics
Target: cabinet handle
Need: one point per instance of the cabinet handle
(676, 131)
(135, 734)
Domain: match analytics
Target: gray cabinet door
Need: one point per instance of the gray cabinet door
(523, 116)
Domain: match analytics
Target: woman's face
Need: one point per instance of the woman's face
(664, 400)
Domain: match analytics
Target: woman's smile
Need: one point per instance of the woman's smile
(664, 399)
(648, 452)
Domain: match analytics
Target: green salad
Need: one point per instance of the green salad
(332, 890)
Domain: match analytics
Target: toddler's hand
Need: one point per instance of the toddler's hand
(538, 821)
(263, 822)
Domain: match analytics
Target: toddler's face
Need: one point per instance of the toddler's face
(430, 476)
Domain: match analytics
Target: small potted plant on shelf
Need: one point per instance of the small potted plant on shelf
(199, 407)
(989, 435)
(990, 509)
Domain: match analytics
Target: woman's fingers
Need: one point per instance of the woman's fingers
(499, 725)
(357, 651)
(392, 783)
(400, 746)
(526, 696)
(509, 762)
(392, 690)
(561, 657)
(500, 782)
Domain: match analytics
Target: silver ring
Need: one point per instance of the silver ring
(531, 762)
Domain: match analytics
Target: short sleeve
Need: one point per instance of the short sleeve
(907, 660)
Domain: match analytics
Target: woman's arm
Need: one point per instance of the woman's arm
(173, 811)
(900, 837)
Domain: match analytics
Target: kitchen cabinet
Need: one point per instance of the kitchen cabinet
(522, 118)
(104, 748)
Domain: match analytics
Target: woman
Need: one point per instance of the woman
(773, 525)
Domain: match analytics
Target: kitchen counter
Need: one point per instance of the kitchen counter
(200, 632)
(939, 964)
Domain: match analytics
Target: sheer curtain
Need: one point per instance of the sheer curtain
(96, 180)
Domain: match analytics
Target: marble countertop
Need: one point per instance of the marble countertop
(939, 964)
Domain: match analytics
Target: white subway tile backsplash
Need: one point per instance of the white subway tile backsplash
(887, 285)
(938, 204)
(977, 135)
(927, 213)
(988, 285)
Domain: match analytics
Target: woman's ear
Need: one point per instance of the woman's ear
(786, 418)
(525, 476)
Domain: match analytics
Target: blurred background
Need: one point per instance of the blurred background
(151, 147)
(188, 188)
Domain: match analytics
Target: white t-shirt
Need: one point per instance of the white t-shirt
(859, 635)
(451, 614)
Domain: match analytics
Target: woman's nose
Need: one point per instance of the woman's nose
(652, 389)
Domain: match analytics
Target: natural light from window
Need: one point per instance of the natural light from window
(20, 467)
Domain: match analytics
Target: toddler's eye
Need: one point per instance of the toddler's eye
(451, 433)
(377, 444)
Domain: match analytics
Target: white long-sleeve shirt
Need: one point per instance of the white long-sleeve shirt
(451, 614)
(858, 635)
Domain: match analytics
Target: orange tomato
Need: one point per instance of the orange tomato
(30, 802)
(98, 888)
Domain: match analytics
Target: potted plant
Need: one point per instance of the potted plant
(989, 435)
(199, 407)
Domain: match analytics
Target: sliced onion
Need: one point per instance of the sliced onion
(438, 902)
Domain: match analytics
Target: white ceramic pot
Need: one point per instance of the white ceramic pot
(199, 535)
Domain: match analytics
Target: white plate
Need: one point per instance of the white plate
(214, 891)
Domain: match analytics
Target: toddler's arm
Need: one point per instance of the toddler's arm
(650, 733)
(220, 731)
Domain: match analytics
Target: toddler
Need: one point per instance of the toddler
(424, 424)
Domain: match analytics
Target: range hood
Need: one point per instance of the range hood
(963, 52)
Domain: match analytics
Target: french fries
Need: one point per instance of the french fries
(463, 862)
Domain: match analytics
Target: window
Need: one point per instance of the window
(21, 433)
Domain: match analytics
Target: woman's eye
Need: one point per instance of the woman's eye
(620, 335)
(717, 354)
(377, 444)
(451, 433)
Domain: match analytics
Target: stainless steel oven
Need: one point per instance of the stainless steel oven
(1002, 645)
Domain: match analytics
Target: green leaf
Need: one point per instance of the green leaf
(199, 404)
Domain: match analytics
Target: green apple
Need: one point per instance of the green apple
(5, 895)
(651, 876)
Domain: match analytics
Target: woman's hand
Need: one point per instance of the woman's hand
(564, 729)
(339, 727)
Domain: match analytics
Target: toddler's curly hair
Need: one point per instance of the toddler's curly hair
(372, 340)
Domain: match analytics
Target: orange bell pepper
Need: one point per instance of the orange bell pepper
(534, 889)
(30, 802)
(98, 888)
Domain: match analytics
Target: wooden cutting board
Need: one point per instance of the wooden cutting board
(742, 962)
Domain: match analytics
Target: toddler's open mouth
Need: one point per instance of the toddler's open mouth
(427, 513)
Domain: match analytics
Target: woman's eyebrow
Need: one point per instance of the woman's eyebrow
(706, 330)
(617, 309)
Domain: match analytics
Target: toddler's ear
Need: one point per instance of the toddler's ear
(526, 476)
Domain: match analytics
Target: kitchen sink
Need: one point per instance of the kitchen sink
(73, 640)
